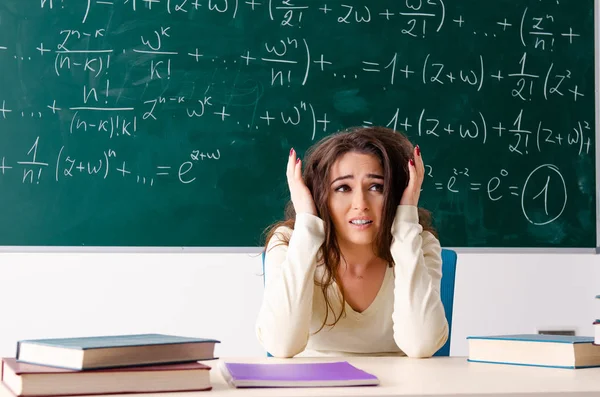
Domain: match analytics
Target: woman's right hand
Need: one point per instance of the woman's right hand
(300, 195)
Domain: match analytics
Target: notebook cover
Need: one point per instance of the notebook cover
(539, 338)
(300, 372)
(21, 368)
(99, 342)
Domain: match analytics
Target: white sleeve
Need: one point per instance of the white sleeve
(283, 322)
(420, 325)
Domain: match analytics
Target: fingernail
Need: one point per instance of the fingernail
(291, 151)
(297, 160)
(412, 162)
(418, 150)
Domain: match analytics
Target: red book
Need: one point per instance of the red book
(24, 379)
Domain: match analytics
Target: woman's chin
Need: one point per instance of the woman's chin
(360, 238)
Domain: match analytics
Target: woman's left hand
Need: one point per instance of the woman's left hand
(416, 170)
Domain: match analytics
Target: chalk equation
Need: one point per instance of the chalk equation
(153, 94)
(32, 169)
(415, 17)
(64, 165)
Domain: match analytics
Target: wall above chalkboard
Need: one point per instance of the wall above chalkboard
(168, 122)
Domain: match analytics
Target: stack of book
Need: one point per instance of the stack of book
(141, 363)
(558, 351)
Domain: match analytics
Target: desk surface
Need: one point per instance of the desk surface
(438, 376)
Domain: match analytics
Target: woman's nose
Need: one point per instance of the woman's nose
(359, 200)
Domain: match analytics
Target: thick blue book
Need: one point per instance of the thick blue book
(114, 351)
(557, 351)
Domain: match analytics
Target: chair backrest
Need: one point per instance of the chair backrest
(449, 259)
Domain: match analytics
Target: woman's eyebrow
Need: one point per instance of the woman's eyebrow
(349, 176)
(340, 178)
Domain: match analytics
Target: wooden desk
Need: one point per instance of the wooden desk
(438, 376)
(435, 377)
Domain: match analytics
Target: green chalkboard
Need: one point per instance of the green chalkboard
(168, 122)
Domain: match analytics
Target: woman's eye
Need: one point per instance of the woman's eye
(377, 187)
(342, 188)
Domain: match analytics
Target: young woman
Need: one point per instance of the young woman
(355, 267)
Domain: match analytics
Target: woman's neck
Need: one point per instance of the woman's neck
(357, 259)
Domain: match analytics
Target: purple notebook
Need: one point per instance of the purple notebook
(296, 375)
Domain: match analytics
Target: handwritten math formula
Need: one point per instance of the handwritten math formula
(146, 93)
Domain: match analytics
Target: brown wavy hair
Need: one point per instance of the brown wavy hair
(393, 149)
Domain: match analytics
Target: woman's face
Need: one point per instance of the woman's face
(356, 198)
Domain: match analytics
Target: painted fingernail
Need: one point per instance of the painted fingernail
(418, 150)
(412, 162)
(297, 160)
(291, 151)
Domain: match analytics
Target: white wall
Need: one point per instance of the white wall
(218, 295)
(521, 293)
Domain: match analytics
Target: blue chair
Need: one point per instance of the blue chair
(449, 259)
